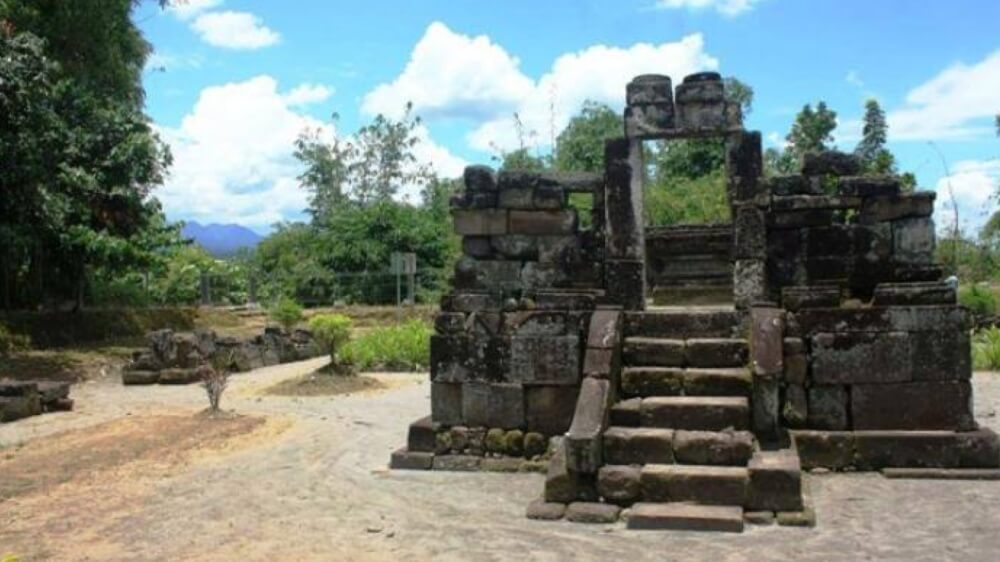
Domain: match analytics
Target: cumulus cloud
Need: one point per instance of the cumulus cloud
(453, 75)
(233, 155)
(973, 183)
(233, 158)
(307, 94)
(957, 103)
(234, 30)
(724, 7)
(458, 76)
(187, 9)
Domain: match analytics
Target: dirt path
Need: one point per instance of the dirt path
(311, 484)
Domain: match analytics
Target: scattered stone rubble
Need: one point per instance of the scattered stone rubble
(22, 399)
(174, 358)
(843, 349)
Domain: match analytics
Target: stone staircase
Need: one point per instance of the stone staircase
(679, 449)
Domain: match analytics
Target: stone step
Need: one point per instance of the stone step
(682, 323)
(649, 445)
(694, 352)
(686, 517)
(703, 413)
(680, 381)
(709, 485)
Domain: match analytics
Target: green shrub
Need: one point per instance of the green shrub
(979, 299)
(11, 342)
(286, 312)
(986, 350)
(396, 348)
(332, 331)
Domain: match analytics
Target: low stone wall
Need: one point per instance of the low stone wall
(22, 399)
(174, 358)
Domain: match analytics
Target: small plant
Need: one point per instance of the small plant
(398, 348)
(11, 342)
(215, 381)
(978, 299)
(333, 332)
(986, 349)
(286, 312)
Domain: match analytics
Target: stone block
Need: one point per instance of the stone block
(913, 240)
(816, 296)
(807, 202)
(446, 403)
(480, 179)
(828, 408)
(481, 222)
(549, 360)
(449, 323)
(543, 222)
(549, 409)
(868, 186)
(451, 358)
(800, 218)
(487, 275)
(658, 352)
(649, 88)
(619, 484)
(478, 247)
(909, 294)
(625, 283)
(715, 352)
(457, 463)
(944, 355)
(978, 449)
(516, 198)
(881, 319)
(749, 233)
(564, 300)
(583, 440)
(849, 358)
(796, 368)
(134, 377)
(467, 302)
(652, 381)
(561, 485)
(895, 207)
(407, 460)
(542, 510)
(493, 404)
(792, 185)
(624, 170)
(713, 447)
(179, 376)
(833, 240)
(638, 446)
(626, 412)
(686, 517)
(749, 282)
(712, 413)
(775, 481)
(824, 449)
(915, 405)
(422, 436)
(13, 408)
(707, 485)
(767, 328)
(744, 156)
(605, 329)
(649, 120)
(592, 512)
(927, 449)
(795, 407)
(718, 382)
(831, 163)
(601, 363)
(515, 246)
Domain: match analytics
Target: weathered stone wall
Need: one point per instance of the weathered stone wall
(508, 345)
(831, 226)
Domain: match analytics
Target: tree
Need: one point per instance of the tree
(580, 146)
(812, 130)
(871, 148)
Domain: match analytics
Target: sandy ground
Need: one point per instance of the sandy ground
(306, 479)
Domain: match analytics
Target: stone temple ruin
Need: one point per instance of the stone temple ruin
(842, 348)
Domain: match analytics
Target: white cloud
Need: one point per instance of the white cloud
(957, 103)
(458, 76)
(597, 73)
(973, 183)
(187, 9)
(233, 155)
(453, 75)
(234, 30)
(724, 7)
(233, 158)
(307, 94)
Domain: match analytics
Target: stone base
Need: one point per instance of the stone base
(875, 450)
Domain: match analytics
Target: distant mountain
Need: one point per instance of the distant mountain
(221, 240)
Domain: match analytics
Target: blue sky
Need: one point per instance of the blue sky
(232, 82)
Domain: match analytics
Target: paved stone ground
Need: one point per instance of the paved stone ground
(320, 491)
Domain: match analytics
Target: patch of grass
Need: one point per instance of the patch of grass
(979, 299)
(986, 350)
(60, 329)
(319, 384)
(405, 347)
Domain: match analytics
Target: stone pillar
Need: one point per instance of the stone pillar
(625, 274)
(767, 331)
